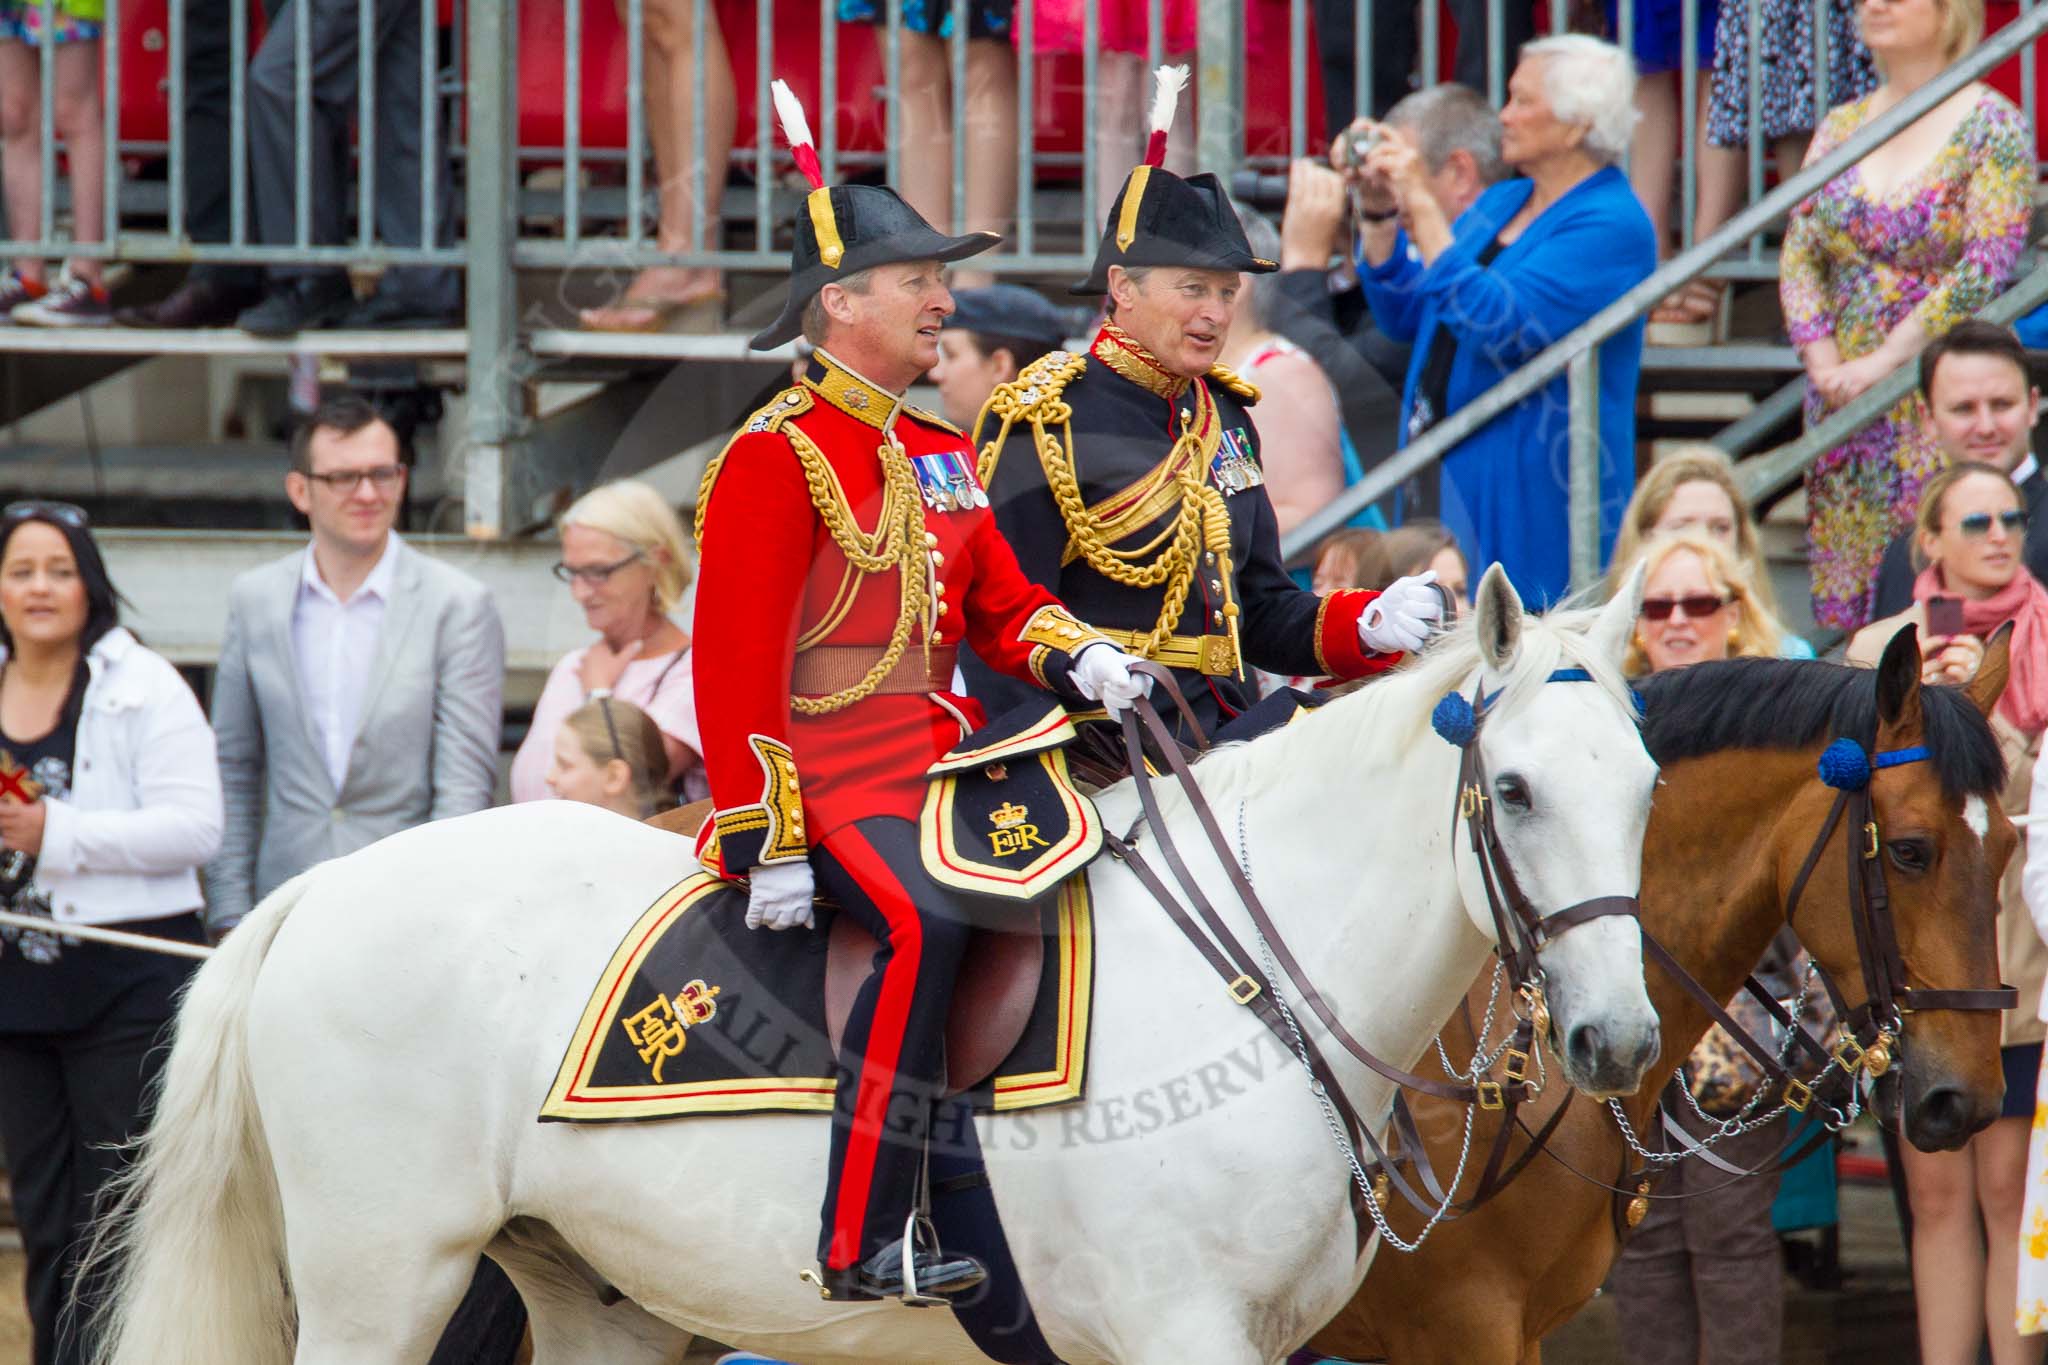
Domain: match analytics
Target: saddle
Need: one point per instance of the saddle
(992, 997)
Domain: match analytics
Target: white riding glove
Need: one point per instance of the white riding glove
(1400, 618)
(779, 896)
(1103, 673)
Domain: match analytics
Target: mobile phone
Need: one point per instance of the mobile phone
(1945, 616)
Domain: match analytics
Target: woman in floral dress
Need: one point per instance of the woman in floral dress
(1887, 256)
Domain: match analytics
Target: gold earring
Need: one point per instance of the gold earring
(1734, 639)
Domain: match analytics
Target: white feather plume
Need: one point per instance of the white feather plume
(1171, 80)
(790, 111)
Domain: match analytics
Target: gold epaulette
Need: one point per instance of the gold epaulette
(791, 402)
(1227, 378)
(1033, 397)
(931, 419)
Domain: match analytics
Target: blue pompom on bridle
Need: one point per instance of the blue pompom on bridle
(1844, 766)
(1453, 718)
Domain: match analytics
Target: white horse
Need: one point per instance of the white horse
(348, 1116)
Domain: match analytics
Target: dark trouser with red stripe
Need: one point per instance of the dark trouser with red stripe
(892, 1063)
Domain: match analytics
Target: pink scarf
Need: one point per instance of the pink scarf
(2024, 603)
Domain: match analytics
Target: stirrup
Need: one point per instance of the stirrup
(918, 1223)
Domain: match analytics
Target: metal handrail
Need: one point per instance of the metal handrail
(1576, 348)
(1765, 474)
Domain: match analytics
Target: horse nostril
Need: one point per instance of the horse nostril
(1583, 1046)
(1942, 1118)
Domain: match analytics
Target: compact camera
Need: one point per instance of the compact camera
(1357, 144)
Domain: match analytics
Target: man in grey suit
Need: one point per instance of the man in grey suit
(359, 685)
(358, 694)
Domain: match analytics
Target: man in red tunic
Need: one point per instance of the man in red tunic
(847, 551)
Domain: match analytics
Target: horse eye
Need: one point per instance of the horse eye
(1513, 792)
(1910, 855)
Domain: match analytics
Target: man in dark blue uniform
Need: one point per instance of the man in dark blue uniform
(1128, 480)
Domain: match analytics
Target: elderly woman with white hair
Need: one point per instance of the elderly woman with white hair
(627, 564)
(1533, 258)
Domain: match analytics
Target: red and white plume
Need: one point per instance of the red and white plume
(1170, 81)
(797, 130)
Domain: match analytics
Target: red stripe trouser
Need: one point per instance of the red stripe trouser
(891, 1066)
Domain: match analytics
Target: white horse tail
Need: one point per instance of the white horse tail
(191, 1236)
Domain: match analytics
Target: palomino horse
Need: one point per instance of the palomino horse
(348, 1117)
(1739, 809)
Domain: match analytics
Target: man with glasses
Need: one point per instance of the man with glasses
(1980, 404)
(359, 682)
(358, 694)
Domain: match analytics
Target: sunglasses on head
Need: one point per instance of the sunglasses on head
(1977, 525)
(68, 513)
(1694, 606)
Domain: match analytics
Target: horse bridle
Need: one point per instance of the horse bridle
(1873, 1032)
(1520, 931)
(1523, 933)
(1877, 1023)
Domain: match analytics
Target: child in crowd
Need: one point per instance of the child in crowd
(609, 753)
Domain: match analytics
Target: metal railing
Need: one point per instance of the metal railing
(1575, 355)
(473, 90)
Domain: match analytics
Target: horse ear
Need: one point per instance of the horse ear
(1989, 684)
(1498, 620)
(1898, 682)
(1617, 621)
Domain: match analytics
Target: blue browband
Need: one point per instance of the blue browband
(1845, 767)
(1455, 719)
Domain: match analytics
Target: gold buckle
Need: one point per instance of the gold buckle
(1244, 990)
(1514, 1064)
(1870, 850)
(1490, 1096)
(1217, 658)
(1471, 800)
(1849, 1053)
(1798, 1094)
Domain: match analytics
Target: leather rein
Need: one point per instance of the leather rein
(1522, 935)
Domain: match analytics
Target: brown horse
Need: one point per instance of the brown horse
(1739, 808)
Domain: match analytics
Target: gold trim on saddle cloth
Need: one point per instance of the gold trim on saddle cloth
(575, 1098)
(975, 828)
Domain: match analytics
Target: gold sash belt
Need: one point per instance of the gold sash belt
(1209, 654)
(824, 669)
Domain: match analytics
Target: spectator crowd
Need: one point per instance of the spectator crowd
(1437, 249)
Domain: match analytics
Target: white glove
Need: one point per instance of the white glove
(1400, 618)
(1103, 673)
(779, 896)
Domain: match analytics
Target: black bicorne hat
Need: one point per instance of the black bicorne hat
(1157, 218)
(847, 228)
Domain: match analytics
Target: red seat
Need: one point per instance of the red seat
(1057, 95)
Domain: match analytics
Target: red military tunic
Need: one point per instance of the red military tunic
(783, 612)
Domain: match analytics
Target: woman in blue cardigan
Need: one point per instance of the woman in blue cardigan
(1534, 258)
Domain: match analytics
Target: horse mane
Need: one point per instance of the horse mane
(1394, 710)
(1794, 703)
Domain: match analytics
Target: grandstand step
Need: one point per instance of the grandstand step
(1699, 405)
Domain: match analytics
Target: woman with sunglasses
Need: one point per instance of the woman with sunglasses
(1701, 1280)
(627, 565)
(1970, 533)
(110, 801)
(1698, 604)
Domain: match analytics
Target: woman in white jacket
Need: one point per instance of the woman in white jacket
(109, 803)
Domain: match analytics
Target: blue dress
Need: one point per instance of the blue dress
(1505, 492)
